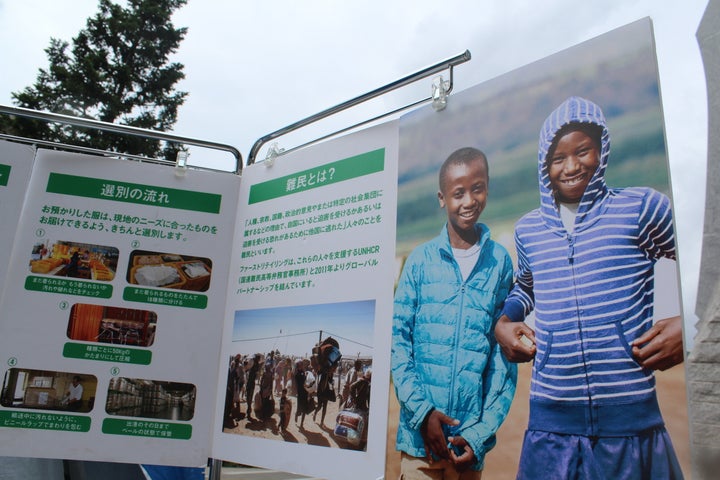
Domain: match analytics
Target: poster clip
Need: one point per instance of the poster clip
(273, 152)
(181, 163)
(440, 90)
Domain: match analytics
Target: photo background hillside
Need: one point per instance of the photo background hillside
(503, 116)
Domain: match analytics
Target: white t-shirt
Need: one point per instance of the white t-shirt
(568, 212)
(466, 259)
(76, 392)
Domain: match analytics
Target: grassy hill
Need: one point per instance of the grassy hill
(502, 117)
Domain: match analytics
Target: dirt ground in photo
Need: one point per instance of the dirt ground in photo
(501, 463)
(312, 431)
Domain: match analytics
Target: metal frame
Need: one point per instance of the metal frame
(115, 128)
(413, 77)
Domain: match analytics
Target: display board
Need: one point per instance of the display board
(503, 117)
(132, 283)
(112, 311)
(155, 317)
(314, 260)
(16, 161)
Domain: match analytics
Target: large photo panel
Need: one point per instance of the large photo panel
(616, 72)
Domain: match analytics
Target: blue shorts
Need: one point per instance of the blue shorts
(649, 455)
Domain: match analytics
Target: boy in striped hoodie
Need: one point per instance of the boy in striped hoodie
(585, 265)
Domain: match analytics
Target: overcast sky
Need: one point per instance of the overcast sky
(295, 330)
(255, 67)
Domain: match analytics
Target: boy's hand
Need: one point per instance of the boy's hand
(661, 347)
(433, 436)
(466, 459)
(510, 335)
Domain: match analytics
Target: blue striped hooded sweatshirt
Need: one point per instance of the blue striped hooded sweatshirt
(592, 292)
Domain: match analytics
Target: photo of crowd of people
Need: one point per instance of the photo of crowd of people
(313, 390)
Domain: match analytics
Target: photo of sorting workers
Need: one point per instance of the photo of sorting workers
(74, 260)
(137, 397)
(169, 270)
(48, 390)
(114, 325)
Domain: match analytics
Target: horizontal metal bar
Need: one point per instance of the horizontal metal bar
(97, 151)
(360, 124)
(123, 129)
(413, 77)
(79, 148)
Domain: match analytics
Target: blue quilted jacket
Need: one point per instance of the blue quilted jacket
(444, 354)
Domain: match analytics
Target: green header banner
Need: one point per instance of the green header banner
(4, 174)
(133, 193)
(335, 172)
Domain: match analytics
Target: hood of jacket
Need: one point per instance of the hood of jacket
(572, 110)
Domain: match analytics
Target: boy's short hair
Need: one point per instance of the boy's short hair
(592, 130)
(462, 156)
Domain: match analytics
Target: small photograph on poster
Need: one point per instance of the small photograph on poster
(302, 374)
(48, 390)
(137, 397)
(169, 270)
(115, 325)
(74, 260)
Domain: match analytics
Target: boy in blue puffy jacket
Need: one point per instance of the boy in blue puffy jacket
(451, 380)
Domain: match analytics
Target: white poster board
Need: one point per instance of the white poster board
(16, 161)
(146, 283)
(126, 301)
(314, 258)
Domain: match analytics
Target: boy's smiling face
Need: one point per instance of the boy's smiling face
(463, 195)
(571, 165)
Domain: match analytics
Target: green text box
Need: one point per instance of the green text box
(327, 174)
(133, 193)
(170, 297)
(107, 353)
(144, 428)
(44, 421)
(4, 174)
(64, 286)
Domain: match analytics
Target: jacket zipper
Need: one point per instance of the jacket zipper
(463, 284)
(571, 261)
(451, 403)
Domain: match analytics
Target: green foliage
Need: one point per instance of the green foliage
(117, 70)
